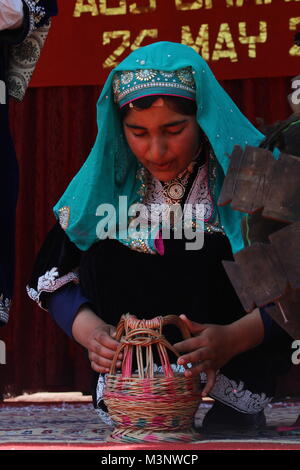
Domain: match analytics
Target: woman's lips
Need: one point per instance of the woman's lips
(164, 166)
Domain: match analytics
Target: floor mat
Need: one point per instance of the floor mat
(78, 426)
(51, 423)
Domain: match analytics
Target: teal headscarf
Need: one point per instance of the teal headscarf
(111, 168)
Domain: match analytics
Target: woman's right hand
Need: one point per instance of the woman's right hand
(97, 337)
(102, 347)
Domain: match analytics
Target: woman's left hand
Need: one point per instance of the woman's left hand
(211, 347)
(214, 345)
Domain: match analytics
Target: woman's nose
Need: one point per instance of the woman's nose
(157, 149)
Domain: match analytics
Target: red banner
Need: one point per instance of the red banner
(238, 38)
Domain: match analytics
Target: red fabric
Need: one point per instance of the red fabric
(114, 33)
(54, 129)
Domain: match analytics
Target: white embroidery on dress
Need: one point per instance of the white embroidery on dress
(236, 396)
(47, 281)
(104, 417)
(5, 304)
(158, 206)
(99, 398)
(64, 217)
(33, 294)
(50, 282)
(36, 13)
(200, 194)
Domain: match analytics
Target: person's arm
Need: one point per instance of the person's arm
(14, 22)
(247, 332)
(97, 337)
(19, 18)
(212, 346)
(64, 304)
(11, 14)
(55, 266)
(73, 312)
(54, 285)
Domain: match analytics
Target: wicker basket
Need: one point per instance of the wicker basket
(149, 407)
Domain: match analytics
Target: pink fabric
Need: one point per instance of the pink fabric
(159, 244)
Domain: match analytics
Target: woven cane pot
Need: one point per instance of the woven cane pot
(147, 406)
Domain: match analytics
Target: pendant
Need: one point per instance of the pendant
(175, 190)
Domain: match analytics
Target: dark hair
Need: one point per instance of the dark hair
(176, 103)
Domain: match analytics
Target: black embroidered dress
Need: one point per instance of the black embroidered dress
(115, 280)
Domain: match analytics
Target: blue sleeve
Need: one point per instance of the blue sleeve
(63, 306)
(267, 321)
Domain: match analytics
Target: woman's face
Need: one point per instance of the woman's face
(162, 139)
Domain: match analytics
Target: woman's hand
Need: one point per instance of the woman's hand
(212, 346)
(97, 337)
(209, 349)
(102, 347)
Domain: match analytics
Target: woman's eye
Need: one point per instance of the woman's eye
(141, 134)
(175, 132)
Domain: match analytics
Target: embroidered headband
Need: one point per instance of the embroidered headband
(132, 85)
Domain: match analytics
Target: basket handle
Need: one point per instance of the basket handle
(167, 320)
(163, 321)
(175, 320)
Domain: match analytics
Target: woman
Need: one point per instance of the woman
(165, 131)
(18, 19)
